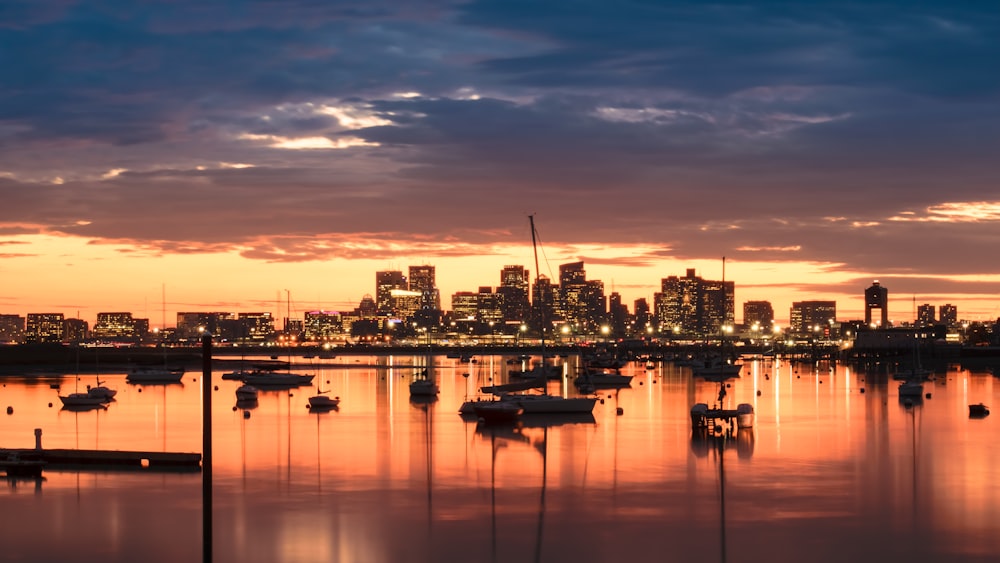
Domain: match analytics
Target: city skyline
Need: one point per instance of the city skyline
(283, 307)
(162, 158)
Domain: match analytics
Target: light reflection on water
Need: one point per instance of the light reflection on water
(829, 472)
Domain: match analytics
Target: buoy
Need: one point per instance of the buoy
(246, 414)
(216, 387)
(609, 395)
(234, 408)
(821, 382)
(10, 410)
(729, 386)
(620, 411)
(602, 401)
(927, 396)
(50, 405)
(718, 428)
(140, 389)
(758, 392)
(862, 389)
(640, 383)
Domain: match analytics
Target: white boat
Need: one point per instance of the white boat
(323, 401)
(154, 374)
(81, 400)
(546, 371)
(423, 387)
(102, 392)
(533, 403)
(246, 393)
(911, 388)
(265, 378)
(716, 368)
(602, 379)
(552, 404)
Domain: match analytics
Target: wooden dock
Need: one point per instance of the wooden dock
(66, 458)
(716, 418)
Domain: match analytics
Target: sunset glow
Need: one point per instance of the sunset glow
(308, 149)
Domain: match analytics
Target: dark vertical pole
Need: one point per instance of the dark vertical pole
(206, 447)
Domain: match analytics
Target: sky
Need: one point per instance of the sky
(241, 156)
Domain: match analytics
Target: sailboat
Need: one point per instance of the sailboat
(545, 403)
(102, 392)
(322, 401)
(423, 385)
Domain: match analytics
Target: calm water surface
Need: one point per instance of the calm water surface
(836, 468)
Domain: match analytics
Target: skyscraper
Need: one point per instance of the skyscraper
(877, 297)
(513, 291)
(694, 305)
(805, 316)
(385, 282)
(422, 279)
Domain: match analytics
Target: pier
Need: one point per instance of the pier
(68, 458)
(19, 460)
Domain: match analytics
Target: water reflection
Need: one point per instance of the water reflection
(828, 472)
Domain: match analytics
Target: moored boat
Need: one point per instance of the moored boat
(246, 393)
(154, 374)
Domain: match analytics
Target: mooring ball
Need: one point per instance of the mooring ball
(602, 401)
(246, 414)
(140, 390)
(216, 387)
(50, 405)
(928, 395)
(862, 389)
(758, 392)
(10, 410)
(620, 411)
(234, 408)
(718, 428)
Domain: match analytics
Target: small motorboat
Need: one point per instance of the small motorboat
(979, 410)
(246, 393)
(321, 401)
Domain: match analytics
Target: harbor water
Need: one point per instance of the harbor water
(837, 467)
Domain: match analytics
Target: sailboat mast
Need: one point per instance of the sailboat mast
(541, 306)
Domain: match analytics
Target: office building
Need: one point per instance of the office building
(812, 317)
(43, 327)
(694, 306)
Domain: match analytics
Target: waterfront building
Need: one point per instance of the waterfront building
(759, 314)
(489, 310)
(404, 303)
(948, 315)
(925, 315)
(464, 305)
(385, 283)
(11, 329)
(877, 298)
(643, 318)
(581, 302)
(255, 327)
(323, 325)
(115, 326)
(44, 327)
(618, 317)
(693, 305)
(543, 300)
(809, 317)
(191, 325)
